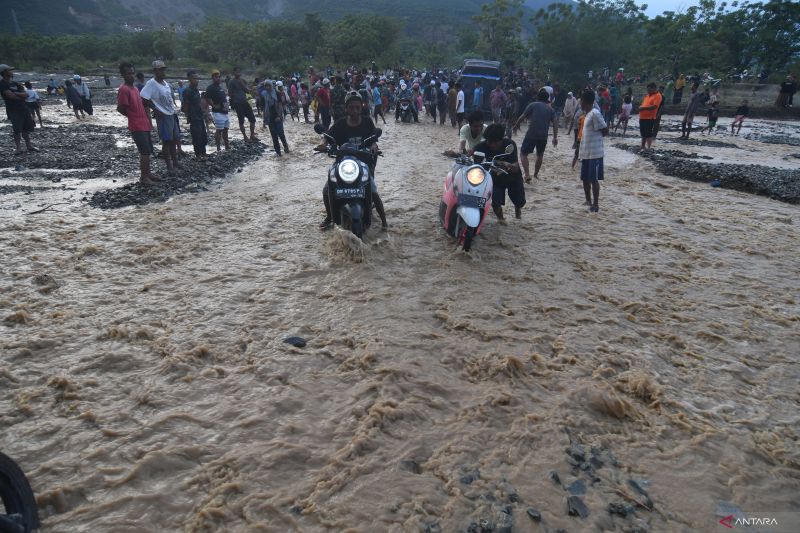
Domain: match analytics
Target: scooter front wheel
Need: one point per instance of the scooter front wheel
(21, 514)
(466, 240)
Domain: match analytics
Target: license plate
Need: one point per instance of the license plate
(466, 200)
(350, 192)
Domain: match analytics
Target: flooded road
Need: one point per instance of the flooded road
(146, 385)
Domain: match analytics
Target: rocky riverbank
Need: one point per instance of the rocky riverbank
(779, 184)
(71, 153)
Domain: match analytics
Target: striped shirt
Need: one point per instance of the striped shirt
(592, 137)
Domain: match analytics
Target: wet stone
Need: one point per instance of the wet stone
(433, 527)
(554, 477)
(484, 525)
(576, 507)
(621, 509)
(577, 487)
(411, 466)
(469, 477)
(510, 492)
(535, 515)
(504, 522)
(577, 452)
(297, 342)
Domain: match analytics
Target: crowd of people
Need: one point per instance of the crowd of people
(605, 104)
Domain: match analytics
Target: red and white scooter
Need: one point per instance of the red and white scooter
(467, 197)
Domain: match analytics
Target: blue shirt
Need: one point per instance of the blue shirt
(477, 97)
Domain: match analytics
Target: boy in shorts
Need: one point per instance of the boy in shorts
(129, 103)
(741, 113)
(713, 115)
(591, 150)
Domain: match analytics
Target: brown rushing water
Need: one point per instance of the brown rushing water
(145, 384)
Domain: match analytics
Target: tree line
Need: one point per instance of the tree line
(569, 40)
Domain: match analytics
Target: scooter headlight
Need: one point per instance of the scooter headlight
(348, 171)
(475, 176)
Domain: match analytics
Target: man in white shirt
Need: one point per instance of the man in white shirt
(157, 95)
(459, 106)
(591, 150)
(33, 102)
(471, 134)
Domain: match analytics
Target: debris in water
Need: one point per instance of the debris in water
(577, 487)
(638, 488)
(411, 466)
(469, 477)
(621, 509)
(535, 515)
(297, 342)
(576, 507)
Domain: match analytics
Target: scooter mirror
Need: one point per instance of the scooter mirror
(479, 154)
(319, 128)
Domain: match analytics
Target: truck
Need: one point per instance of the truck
(488, 74)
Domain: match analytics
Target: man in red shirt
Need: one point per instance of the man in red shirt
(129, 103)
(324, 102)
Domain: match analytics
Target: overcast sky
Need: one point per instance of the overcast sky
(656, 7)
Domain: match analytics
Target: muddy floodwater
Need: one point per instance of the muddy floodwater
(637, 367)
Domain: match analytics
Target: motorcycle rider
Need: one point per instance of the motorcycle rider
(404, 93)
(495, 143)
(353, 128)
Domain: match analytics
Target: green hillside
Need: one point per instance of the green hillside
(51, 17)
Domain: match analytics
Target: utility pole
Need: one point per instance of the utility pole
(17, 29)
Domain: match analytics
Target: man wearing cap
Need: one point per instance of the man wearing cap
(192, 106)
(215, 94)
(157, 95)
(14, 96)
(353, 128)
(129, 104)
(86, 95)
(238, 94)
(323, 98)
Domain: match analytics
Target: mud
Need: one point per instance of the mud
(642, 359)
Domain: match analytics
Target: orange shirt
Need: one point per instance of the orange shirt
(648, 100)
(580, 126)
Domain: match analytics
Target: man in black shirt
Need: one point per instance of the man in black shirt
(216, 96)
(192, 105)
(495, 144)
(239, 90)
(354, 128)
(21, 121)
